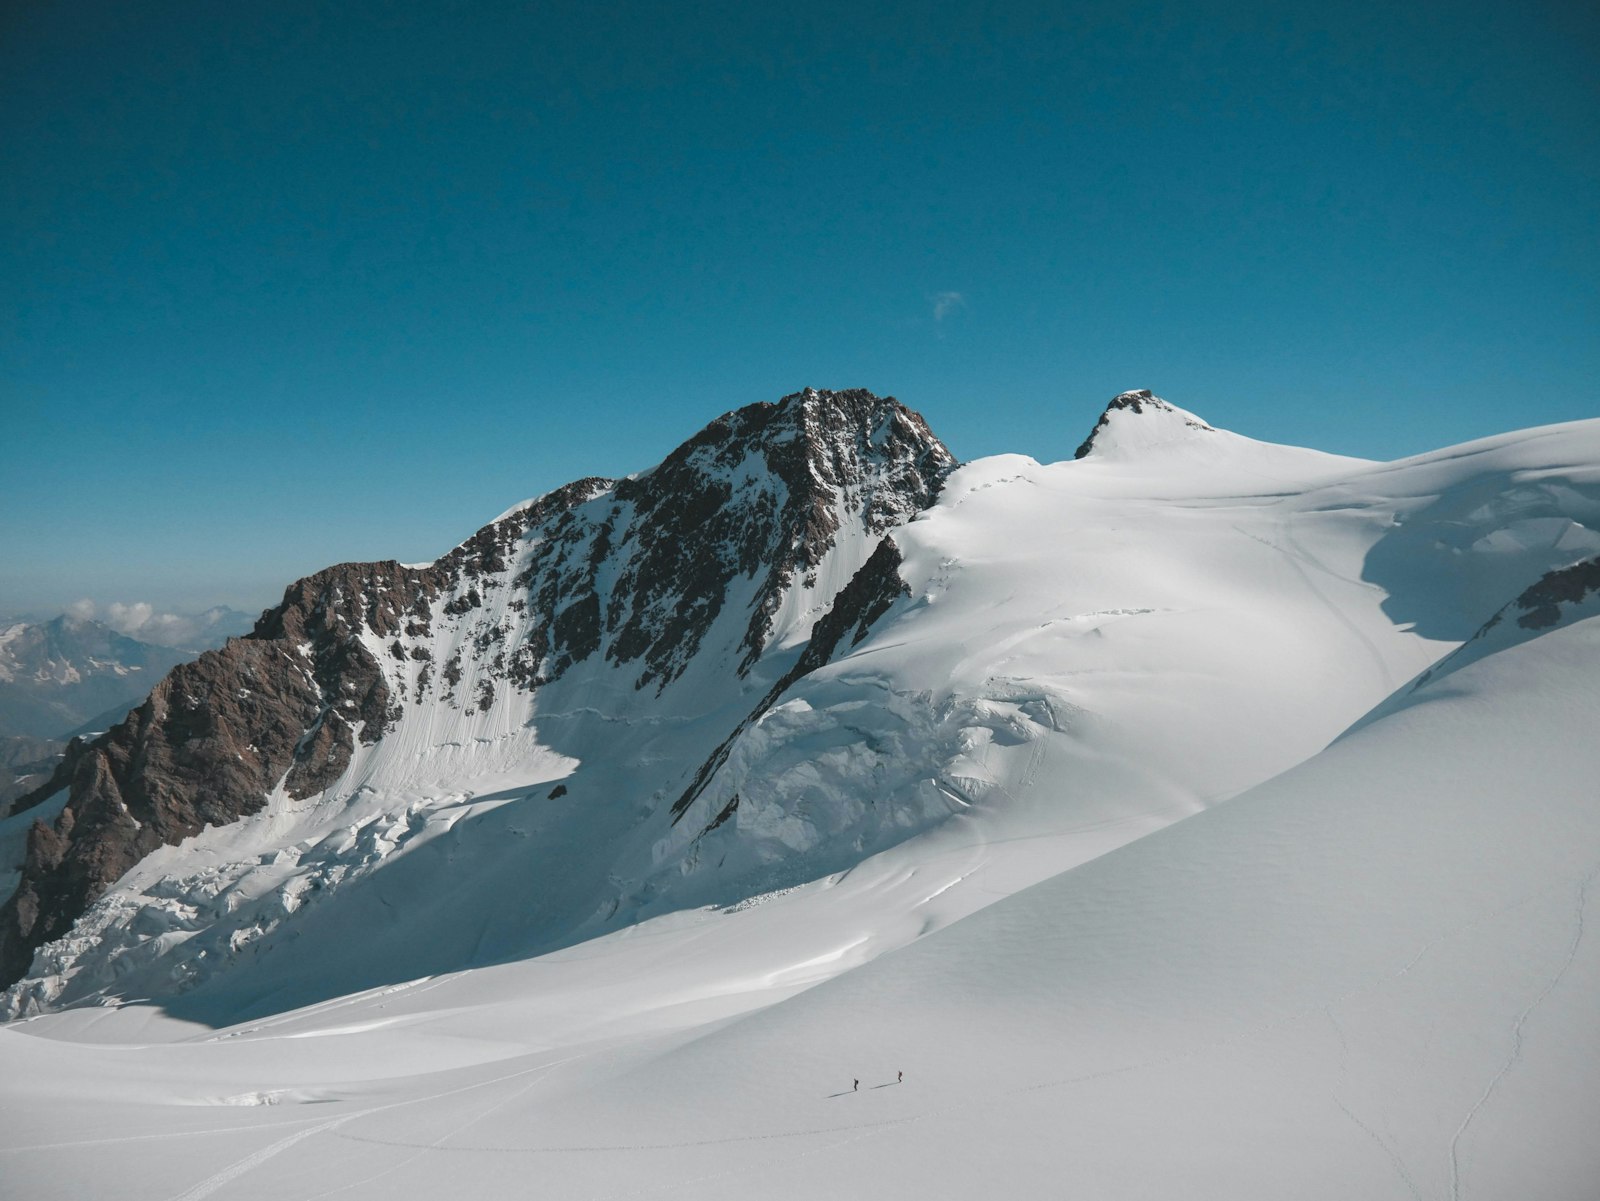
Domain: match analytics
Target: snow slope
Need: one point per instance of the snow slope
(1370, 976)
(1095, 648)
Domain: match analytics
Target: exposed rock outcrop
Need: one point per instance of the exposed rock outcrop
(1541, 603)
(1555, 597)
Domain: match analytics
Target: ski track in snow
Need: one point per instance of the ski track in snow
(857, 1130)
(438, 1143)
(1244, 1034)
(334, 1127)
(677, 1145)
(1516, 1035)
(228, 1175)
(1299, 560)
(238, 1168)
(83, 1143)
(1383, 1143)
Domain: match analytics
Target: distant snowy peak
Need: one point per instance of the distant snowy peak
(57, 675)
(66, 649)
(1138, 421)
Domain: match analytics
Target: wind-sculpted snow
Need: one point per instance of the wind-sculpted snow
(1557, 598)
(1372, 976)
(1074, 637)
(1464, 542)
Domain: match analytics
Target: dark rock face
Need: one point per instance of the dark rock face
(761, 492)
(25, 763)
(1140, 400)
(206, 747)
(631, 573)
(1541, 603)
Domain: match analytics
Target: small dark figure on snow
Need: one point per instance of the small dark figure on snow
(855, 1086)
(899, 1077)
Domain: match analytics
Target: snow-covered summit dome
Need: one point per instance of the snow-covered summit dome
(1137, 421)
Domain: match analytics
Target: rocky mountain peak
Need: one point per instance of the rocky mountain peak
(736, 543)
(766, 492)
(1138, 419)
(1134, 398)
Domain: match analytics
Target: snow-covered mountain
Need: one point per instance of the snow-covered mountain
(57, 675)
(596, 642)
(617, 842)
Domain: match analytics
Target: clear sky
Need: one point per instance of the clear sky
(285, 284)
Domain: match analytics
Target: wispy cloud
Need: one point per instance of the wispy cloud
(140, 620)
(946, 304)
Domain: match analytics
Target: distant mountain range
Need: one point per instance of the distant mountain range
(70, 676)
(55, 676)
(59, 676)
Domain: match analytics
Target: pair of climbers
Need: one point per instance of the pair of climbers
(855, 1085)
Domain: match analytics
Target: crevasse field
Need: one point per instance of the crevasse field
(1188, 830)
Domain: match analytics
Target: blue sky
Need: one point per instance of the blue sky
(289, 284)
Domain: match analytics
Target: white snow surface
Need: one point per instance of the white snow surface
(992, 846)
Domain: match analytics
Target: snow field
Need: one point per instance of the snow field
(1366, 977)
